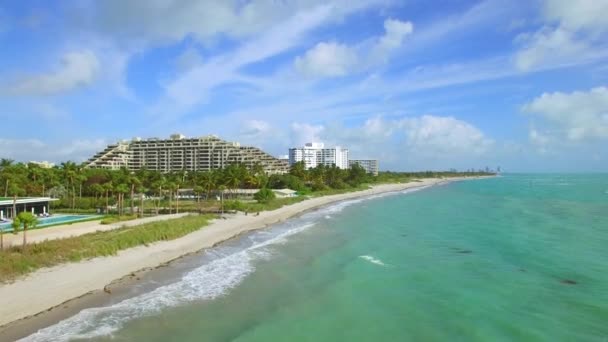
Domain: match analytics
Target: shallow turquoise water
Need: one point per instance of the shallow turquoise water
(519, 257)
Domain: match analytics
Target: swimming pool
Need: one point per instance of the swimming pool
(51, 220)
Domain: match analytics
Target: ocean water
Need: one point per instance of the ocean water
(512, 258)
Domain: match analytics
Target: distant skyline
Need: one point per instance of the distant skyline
(416, 84)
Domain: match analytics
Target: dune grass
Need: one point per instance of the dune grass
(14, 262)
(116, 218)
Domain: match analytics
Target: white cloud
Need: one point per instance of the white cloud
(302, 133)
(572, 33)
(576, 116)
(331, 59)
(193, 86)
(148, 21)
(395, 32)
(582, 14)
(77, 69)
(548, 45)
(327, 60)
(427, 141)
(36, 150)
(439, 135)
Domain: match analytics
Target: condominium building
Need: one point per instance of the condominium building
(313, 154)
(370, 165)
(181, 153)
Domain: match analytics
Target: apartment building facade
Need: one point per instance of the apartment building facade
(181, 153)
(370, 165)
(313, 154)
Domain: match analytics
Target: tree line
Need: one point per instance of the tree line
(78, 187)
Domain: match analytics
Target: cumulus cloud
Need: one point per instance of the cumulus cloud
(556, 45)
(571, 33)
(427, 141)
(441, 135)
(36, 150)
(576, 116)
(327, 60)
(77, 69)
(302, 133)
(395, 32)
(331, 59)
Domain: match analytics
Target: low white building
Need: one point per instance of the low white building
(313, 154)
(370, 165)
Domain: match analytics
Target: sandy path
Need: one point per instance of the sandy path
(53, 286)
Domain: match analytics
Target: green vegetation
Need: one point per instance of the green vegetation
(115, 219)
(23, 221)
(265, 195)
(120, 192)
(15, 262)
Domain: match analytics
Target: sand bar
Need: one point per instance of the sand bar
(50, 287)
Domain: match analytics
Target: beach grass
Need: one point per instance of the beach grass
(115, 219)
(14, 262)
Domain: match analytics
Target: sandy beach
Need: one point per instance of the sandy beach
(49, 288)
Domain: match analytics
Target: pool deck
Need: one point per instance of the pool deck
(76, 229)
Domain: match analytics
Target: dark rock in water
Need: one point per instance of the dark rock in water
(569, 282)
(522, 270)
(404, 235)
(465, 251)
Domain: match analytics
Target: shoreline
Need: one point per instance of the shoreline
(52, 294)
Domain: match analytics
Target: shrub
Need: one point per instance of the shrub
(265, 195)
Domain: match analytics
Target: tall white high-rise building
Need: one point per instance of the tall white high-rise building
(313, 154)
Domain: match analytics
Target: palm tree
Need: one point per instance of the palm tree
(158, 185)
(26, 219)
(208, 182)
(133, 182)
(142, 190)
(198, 190)
(108, 187)
(5, 167)
(1, 239)
(70, 173)
(121, 189)
(221, 189)
(172, 186)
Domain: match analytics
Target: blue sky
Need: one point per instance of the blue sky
(416, 84)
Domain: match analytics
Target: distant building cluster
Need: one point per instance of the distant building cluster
(210, 153)
(315, 153)
(181, 153)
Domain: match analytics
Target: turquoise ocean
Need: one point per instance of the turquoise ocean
(512, 258)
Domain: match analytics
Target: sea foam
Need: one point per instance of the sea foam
(372, 260)
(206, 282)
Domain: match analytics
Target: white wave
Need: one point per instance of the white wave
(372, 260)
(209, 281)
